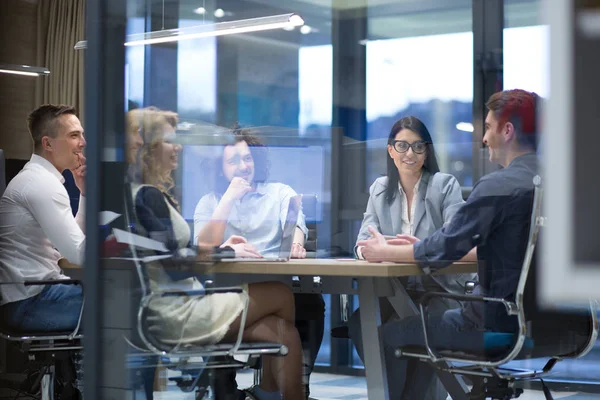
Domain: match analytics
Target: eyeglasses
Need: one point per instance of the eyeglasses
(402, 146)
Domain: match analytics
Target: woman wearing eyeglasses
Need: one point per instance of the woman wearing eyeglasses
(414, 200)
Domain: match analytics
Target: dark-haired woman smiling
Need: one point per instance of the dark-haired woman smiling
(414, 200)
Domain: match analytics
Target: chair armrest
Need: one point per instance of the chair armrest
(200, 292)
(54, 282)
(511, 308)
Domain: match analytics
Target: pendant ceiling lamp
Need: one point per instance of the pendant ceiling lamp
(210, 30)
(26, 70)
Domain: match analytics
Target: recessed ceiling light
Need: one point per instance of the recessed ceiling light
(200, 10)
(305, 29)
(219, 13)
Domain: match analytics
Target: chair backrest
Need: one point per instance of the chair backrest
(534, 229)
(2, 172)
(555, 332)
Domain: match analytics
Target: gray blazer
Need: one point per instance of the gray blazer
(438, 200)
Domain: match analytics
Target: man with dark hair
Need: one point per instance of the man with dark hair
(494, 220)
(244, 203)
(37, 227)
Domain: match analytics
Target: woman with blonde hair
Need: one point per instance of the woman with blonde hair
(214, 318)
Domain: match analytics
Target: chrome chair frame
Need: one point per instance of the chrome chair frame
(51, 342)
(492, 368)
(197, 357)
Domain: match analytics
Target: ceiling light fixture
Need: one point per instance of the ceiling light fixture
(25, 70)
(219, 13)
(209, 30)
(305, 30)
(200, 11)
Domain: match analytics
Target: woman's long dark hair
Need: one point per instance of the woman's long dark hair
(416, 125)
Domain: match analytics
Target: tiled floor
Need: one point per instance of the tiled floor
(339, 387)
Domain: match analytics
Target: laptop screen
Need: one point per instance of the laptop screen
(289, 228)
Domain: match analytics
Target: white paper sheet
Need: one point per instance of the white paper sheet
(139, 241)
(106, 217)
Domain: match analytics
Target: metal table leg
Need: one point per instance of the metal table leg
(370, 320)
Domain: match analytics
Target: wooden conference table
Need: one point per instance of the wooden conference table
(331, 276)
(337, 276)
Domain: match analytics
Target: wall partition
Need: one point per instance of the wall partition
(322, 97)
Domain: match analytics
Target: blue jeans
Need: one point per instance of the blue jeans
(448, 330)
(56, 308)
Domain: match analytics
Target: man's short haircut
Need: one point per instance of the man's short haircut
(41, 122)
(518, 107)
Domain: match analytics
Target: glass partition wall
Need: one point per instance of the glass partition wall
(322, 97)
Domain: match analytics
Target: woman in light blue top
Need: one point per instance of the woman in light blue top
(413, 201)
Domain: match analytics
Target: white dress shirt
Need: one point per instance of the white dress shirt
(37, 228)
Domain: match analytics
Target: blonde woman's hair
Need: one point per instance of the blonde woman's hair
(150, 123)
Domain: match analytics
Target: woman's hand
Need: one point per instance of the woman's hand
(238, 187)
(400, 240)
(298, 251)
(374, 249)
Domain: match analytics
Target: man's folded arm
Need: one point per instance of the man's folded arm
(54, 214)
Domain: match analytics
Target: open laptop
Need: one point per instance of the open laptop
(287, 237)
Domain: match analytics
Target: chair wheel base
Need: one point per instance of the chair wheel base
(494, 389)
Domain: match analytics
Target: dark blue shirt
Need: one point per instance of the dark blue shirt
(496, 219)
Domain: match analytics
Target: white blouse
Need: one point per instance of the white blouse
(408, 221)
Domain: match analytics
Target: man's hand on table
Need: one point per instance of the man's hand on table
(377, 249)
(298, 251)
(241, 247)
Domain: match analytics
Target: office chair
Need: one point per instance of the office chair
(196, 362)
(45, 349)
(573, 334)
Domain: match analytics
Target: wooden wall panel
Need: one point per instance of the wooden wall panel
(18, 27)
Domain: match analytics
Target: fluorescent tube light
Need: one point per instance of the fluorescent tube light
(26, 70)
(208, 30)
